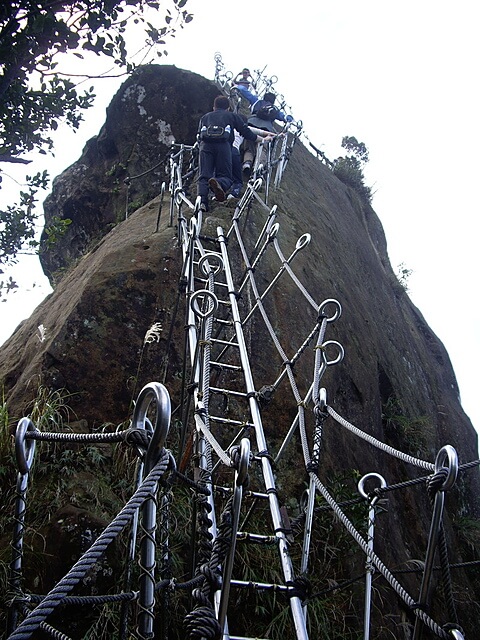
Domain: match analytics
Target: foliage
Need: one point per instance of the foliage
(411, 434)
(35, 96)
(17, 222)
(403, 274)
(333, 558)
(6, 439)
(349, 168)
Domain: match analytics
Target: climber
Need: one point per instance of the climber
(243, 80)
(264, 113)
(238, 147)
(216, 135)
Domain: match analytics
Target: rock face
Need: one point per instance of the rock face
(120, 276)
(152, 111)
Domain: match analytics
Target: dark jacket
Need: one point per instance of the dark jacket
(228, 121)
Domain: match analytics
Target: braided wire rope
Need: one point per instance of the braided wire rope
(79, 570)
(378, 562)
(377, 443)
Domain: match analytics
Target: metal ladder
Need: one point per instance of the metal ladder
(220, 369)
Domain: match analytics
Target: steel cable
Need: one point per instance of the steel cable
(78, 571)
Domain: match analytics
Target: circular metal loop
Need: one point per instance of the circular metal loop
(271, 218)
(199, 217)
(303, 241)
(340, 355)
(244, 461)
(257, 184)
(205, 296)
(272, 233)
(24, 449)
(363, 480)
(338, 309)
(178, 197)
(322, 399)
(156, 393)
(456, 634)
(197, 211)
(211, 263)
(273, 79)
(228, 75)
(193, 227)
(447, 453)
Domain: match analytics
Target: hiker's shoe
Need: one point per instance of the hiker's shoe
(247, 169)
(218, 192)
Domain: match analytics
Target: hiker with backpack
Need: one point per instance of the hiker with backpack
(264, 113)
(216, 135)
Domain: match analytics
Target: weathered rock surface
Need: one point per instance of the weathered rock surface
(114, 290)
(149, 113)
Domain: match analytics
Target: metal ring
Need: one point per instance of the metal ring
(447, 453)
(257, 184)
(362, 481)
(272, 234)
(338, 310)
(207, 268)
(322, 399)
(193, 227)
(24, 449)
(197, 206)
(212, 303)
(153, 392)
(341, 352)
(456, 634)
(273, 79)
(177, 196)
(303, 241)
(244, 461)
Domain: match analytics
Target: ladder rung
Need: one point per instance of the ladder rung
(236, 423)
(222, 365)
(246, 494)
(228, 392)
(222, 321)
(205, 281)
(227, 342)
(256, 538)
(245, 638)
(260, 586)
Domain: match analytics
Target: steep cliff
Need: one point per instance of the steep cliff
(115, 276)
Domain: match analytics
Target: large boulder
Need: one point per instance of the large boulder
(396, 381)
(124, 166)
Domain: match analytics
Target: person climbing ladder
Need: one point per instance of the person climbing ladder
(216, 135)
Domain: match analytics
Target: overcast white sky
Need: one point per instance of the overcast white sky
(401, 77)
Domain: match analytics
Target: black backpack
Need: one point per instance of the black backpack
(266, 111)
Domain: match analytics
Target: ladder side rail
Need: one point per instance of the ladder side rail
(283, 545)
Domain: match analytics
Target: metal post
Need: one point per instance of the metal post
(371, 532)
(156, 393)
(446, 453)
